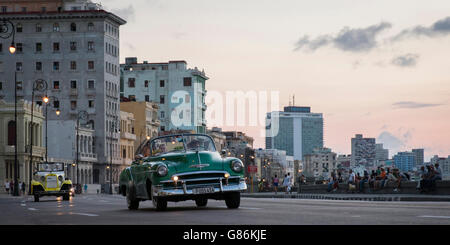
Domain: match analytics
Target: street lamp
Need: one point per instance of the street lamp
(39, 85)
(7, 30)
(114, 128)
(46, 99)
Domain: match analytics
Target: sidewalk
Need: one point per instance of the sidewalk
(356, 196)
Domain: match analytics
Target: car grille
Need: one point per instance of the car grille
(52, 182)
(201, 175)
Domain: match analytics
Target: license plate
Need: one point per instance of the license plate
(203, 190)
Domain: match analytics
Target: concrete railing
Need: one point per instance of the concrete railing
(407, 187)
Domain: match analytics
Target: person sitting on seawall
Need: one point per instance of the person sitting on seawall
(333, 183)
(372, 179)
(427, 179)
(396, 179)
(364, 179)
(351, 181)
(379, 179)
(421, 173)
(436, 174)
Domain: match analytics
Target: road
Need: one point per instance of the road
(107, 210)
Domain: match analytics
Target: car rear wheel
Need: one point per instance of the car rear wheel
(132, 202)
(36, 198)
(159, 203)
(233, 200)
(66, 197)
(201, 202)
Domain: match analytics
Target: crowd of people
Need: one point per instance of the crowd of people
(9, 187)
(382, 177)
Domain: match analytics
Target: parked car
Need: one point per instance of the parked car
(182, 167)
(50, 180)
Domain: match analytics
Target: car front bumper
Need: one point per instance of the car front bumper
(187, 189)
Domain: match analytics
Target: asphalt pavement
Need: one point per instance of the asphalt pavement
(112, 210)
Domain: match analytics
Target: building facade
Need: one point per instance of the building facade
(220, 140)
(381, 154)
(363, 151)
(419, 153)
(8, 139)
(127, 140)
(76, 51)
(179, 91)
(146, 122)
(271, 162)
(405, 161)
(320, 164)
(295, 130)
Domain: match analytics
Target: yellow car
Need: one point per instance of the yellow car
(50, 180)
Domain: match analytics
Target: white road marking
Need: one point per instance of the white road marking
(23, 205)
(436, 217)
(32, 209)
(242, 208)
(90, 215)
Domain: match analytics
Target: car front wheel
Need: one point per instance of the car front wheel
(36, 198)
(233, 200)
(159, 203)
(201, 202)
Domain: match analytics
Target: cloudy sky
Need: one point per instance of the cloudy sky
(379, 68)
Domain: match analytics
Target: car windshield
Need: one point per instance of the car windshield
(199, 143)
(50, 167)
(167, 144)
(177, 144)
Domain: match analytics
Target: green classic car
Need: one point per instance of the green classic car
(182, 167)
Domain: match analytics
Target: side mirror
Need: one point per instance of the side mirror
(223, 152)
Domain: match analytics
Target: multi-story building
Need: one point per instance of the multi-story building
(180, 92)
(444, 163)
(220, 140)
(8, 140)
(405, 161)
(295, 130)
(46, 5)
(127, 138)
(363, 151)
(419, 153)
(271, 162)
(62, 140)
(146, 122)
(320, 164)
(381, 154)
(75, 48)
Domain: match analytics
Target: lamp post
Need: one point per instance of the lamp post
(7, 30)
(46, 100)
(113, 129)
(82, 115)
(40, 86)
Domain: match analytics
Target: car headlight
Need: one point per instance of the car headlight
(237, 166)
(42, 178)
(162, 170)
(60, 178)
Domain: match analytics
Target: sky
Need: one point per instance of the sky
(377, 68)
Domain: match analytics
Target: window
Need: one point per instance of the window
(187, 81)
(132, 97)
(56, 85)
(19, 47)
(90, 26)
(4, 9)
(56, 66)
(163, 114)
(163, 128)
(161, 83)
(38, 27)
(73, 46)
(1, 85)
(131, 82)
(38, 47)
(91, 65)
(56, 104)
(91, 103)
(161, 99)
(90, 46)
(73, 27)
(11, 133)
(146, 83)
(19, 85)
(73, 65)
(56, 27)
(73, 84)
(38, 66)
(147, 98)
(19, 27)
(91, 84)
(165, 68)
(19, 66)
(73, 105)
(55, 47)
(1, 48)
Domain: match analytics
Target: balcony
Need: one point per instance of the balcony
(126, 135)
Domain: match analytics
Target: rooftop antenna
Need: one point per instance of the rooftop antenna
(290, 100)
(293, 98)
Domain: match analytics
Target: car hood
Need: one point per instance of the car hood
(195, 161)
